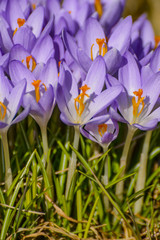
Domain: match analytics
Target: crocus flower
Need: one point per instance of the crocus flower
(40, 88)
(10, 102)
(101, 132)
(78, 104)
(92, 42)
(139, 96)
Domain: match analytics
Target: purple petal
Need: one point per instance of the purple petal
(70, 44)
(84, 60)
(43, 49)
(113, 60)
(35, 21)
(21, 116)
(155, 60)
(96, 76)
(120, 38)
(129, 75)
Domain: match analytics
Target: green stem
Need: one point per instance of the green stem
(73, 160)
(46, 159)
(8, 170)
(123, 161)
(142, 171)
(105, 180)
(79, 212)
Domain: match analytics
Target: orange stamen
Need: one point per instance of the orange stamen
(4, 109)
(69, 12)
(98, 7)
(28, 58)
(20, 22)
(45, 88)
(59, 63)
(102, 128)
(157, 41)
(33, 6)
(92, 51)
(100, 43)
(36, 84)
(80, 100)
(137, 104)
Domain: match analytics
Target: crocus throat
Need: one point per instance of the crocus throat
(3, 111)
(28, 59)
(136, 110)
(98, 7)
(20, 22)
(80, 100)
(102, 128)
(102, 47)
(36, 84)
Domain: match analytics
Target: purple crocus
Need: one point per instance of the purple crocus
(139, 96)
(92, 42)
(78, 104)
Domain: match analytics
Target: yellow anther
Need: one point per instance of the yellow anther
(20, 22)
(102, 128)
(36, 84)
(102, 47)
(28, 58)
(69, 12)
(33, 6)
(80, 100)
(92, 51)
(157, 41)
(136, 105)
(98, 7)
(3, 111)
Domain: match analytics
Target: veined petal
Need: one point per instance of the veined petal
(70, 44)
(84, 60)
(96, 76)
(35, 20)
(113, 60)
(120, 38)
(129, 75)
(155, 60)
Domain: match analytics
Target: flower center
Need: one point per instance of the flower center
(36, 84)
(102, 128)
(80, 100)
(102, 47)
(3, 111)
(137, 110)
(98, 7)
(28, 59)
(20, 22)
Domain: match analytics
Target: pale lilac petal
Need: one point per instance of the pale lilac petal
(129, 75)
(25, 37)
(84, 60)
(5, 38)
(155, 60)
(113, 60)
(96, 76)
(18, 52)
(21, 115)
(43, 49)
(35, 21)
(120, 38)
(70, 44)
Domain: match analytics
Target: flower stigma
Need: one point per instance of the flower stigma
(3, 111)
(80, 100)
(28, 58)
(157, 41)
(36, 84)
(102, 47)
(102, 128)
(20, 22)
(136, 110)
(98, 7)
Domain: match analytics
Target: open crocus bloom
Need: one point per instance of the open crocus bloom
(93, 42)
(139, 96)
(101, 132)
(40, 88)
(10, 102)
(79, 104)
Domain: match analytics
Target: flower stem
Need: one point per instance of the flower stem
(105, 179)
(46, 159)
(123, 161)
(8, 170)
(73, 161)
(142, 171)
